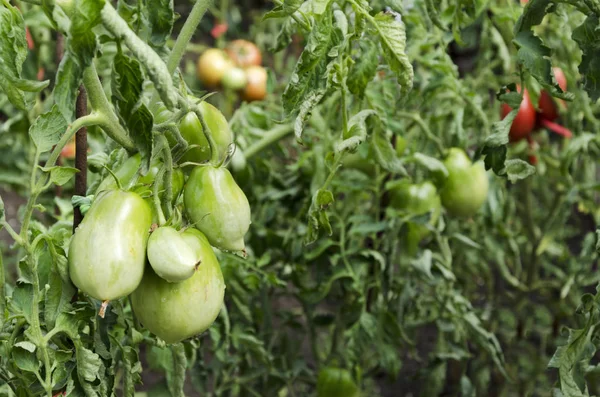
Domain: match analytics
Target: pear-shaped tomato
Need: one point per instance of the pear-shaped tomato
(416, 199)
(191, 130)
(177, 311)
(170, 256)
(107, 253)
(524, 123)
(466, 187)
(336, 382)
(217, 207)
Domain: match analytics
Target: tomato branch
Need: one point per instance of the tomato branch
(274, 135)
(100, 104)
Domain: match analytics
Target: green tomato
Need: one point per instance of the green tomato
(336, 382)
(170, 256)
(415, 199)
(467, 185)
(107, 253)
(217, 207)
(234, 79)
(177, 311)
(191, 130)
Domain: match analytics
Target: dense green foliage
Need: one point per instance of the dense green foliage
(337, 279)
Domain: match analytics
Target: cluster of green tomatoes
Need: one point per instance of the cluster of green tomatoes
(169, 268)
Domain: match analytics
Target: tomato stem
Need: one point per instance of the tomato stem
(274, 135)
(103, 307)
(557, 128)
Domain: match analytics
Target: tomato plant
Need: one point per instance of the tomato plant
(344, 214)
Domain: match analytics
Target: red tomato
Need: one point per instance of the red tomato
(524, 123)
(256, 89)
(244, 53)
(546, 105)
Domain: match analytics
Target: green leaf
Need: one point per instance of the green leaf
(392, 35)
(88, 364)
(22, 300)
(317, 217)
(385, 154)
(310, 68)
(57, 298)
(68, 79)
(127, 90)
(25, 359)
(13, 51)
(517, 169)
(587, 36)
(364, 68)
(60, 175)
(285, 9)
(437, 169)
(47, 129)
(161, 18)
(176, 380)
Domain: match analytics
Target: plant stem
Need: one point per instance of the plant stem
(80, 156)
(155, 195)
(2, 293)
(186, 33)
(274, 135)
(168, 177)
(100, 104)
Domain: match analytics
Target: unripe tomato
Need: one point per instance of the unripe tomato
(177, 311)
(234, 79)
(191, 130)
(218, 207)
(336, 382)
(107, 253)
(170, 256)
(244, 53)
(466, 187)
(416, 199)
(546, 105)
(524, 123)
(212, 65)
(256, 89)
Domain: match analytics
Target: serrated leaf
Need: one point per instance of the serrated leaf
(364, 68)
(310, 101)
(385, 154)
(587, 36)
(60, 175)
(88, 364)
(434, 166)
(161, 18)
(392, 35)
(517, 169)
(25, 360)
(68, 79)
(127, 87)
(285, 9)
(57, 298)
(47, 129)
(13, 51)
(307, 76)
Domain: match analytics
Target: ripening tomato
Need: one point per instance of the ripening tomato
(256, 89)
(234, 79)
(68, 151)
(107, 253)
(212, 65)
(546, 105)
(524, 123)
(244, 53)
(467, 185)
